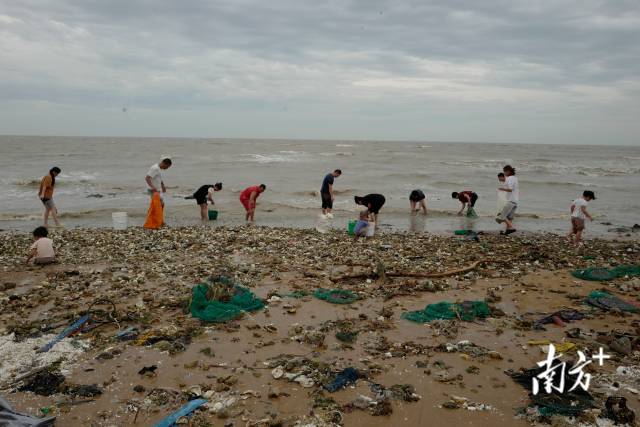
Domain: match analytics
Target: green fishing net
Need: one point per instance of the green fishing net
(606, 301)
(297, 294)
(601, 273)
(335, 296)
(467, 311)
(471, 213)
(222, 300)
(347, 336)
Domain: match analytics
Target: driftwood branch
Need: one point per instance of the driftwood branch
(381, 273)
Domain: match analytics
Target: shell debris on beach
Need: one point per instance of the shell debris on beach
(302, 360)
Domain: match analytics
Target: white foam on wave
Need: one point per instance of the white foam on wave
(78, 176)
(280, 157)
(338, 154)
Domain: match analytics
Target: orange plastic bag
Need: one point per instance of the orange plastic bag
(155, 215)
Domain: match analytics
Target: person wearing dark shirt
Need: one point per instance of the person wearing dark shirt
(326, 192)
(417, 198)
(467, 198)
(373, 202)
(203, 194)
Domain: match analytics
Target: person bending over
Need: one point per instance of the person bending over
(204, 194)
(373, 202)
(248, 199)
(467, 198)
(417, 200)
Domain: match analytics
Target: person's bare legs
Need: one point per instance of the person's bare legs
(46, 216)
(509, 225)
(578, 237)
(204, 215)
(249, 215)
(423, 206)
(413, 207)
(54, 215)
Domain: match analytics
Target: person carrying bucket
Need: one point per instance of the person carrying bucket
(204, 194)
(468, 199)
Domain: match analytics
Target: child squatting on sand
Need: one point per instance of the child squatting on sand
(362, 226)
(42, 249)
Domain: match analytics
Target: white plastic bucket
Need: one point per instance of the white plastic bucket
(119, 220)
(371, 229)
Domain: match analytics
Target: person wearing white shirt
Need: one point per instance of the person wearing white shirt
(579, 214)
(154, 178)
(513, 197)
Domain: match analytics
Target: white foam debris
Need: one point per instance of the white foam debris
(20, 357)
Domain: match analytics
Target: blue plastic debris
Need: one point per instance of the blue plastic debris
(343, 379)
(62, 335)
(187, 409)
(128, 334)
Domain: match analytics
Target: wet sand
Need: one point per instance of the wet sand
(148, 276)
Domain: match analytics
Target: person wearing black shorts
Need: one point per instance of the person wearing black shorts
(326, 192)
(417, 198)
(373, 202)
(203, 194)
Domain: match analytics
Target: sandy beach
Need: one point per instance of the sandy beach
(271, 367)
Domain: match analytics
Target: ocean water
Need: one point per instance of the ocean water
(104, 175)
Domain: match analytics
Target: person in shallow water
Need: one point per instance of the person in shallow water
(248, 199)
(467, 198)
(373, 202)
(512, 189)
(45, 193)
(204, 194)
(417, 200)
(326, 192)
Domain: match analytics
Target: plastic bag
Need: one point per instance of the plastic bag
(155, 214)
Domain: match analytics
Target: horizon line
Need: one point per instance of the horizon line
(323, 140)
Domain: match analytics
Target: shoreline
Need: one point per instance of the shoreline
(438, 223)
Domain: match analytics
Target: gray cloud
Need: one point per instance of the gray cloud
(493, 62)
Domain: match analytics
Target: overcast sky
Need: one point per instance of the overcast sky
(548, 71)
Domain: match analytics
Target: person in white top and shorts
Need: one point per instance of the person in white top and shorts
(513, 197)
(579, 214)
(154, 178)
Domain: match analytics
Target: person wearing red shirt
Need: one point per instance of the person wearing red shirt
(248, 199)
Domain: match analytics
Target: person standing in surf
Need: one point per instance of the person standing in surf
(512, 189)
(417, 200)
(248, 199)
(204, 194)
(326, 192)
(45, 193)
